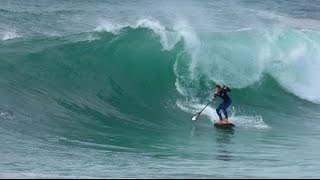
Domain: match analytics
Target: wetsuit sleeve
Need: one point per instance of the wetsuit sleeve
(226, 89)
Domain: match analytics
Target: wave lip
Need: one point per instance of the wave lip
(168, 38)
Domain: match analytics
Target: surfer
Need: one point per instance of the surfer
(222, 92)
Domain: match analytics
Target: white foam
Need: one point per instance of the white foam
(9, 35)
(192, 47)
(168, 38)
(110, 27)
(249, 122)
(191, 41)
(6, 115)
(297, 67)
(91, 38)
(179, 88)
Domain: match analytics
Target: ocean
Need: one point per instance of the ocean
(107, 89)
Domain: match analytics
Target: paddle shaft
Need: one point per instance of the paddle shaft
(204, 107)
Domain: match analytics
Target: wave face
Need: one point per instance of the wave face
(116, 94)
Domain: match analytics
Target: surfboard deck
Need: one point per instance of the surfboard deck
(218, 124)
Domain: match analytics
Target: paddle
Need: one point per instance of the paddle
(195, 117)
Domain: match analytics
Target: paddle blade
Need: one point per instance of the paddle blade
(195, 117)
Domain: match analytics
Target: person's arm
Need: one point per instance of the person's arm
(226, 88)
(214, 96)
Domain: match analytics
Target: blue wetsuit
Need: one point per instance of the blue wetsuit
(226, 101)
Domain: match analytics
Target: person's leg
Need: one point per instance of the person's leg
(225, 113)
(224, 108)
(218, 111)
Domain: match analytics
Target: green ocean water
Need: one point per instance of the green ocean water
(107, 89)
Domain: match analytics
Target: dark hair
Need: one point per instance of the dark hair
(218, 86)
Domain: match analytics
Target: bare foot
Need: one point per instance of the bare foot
(219, 121)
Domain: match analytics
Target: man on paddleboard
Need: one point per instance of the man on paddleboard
(222, 92)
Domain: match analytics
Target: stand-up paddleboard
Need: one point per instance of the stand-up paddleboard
(223, 125)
